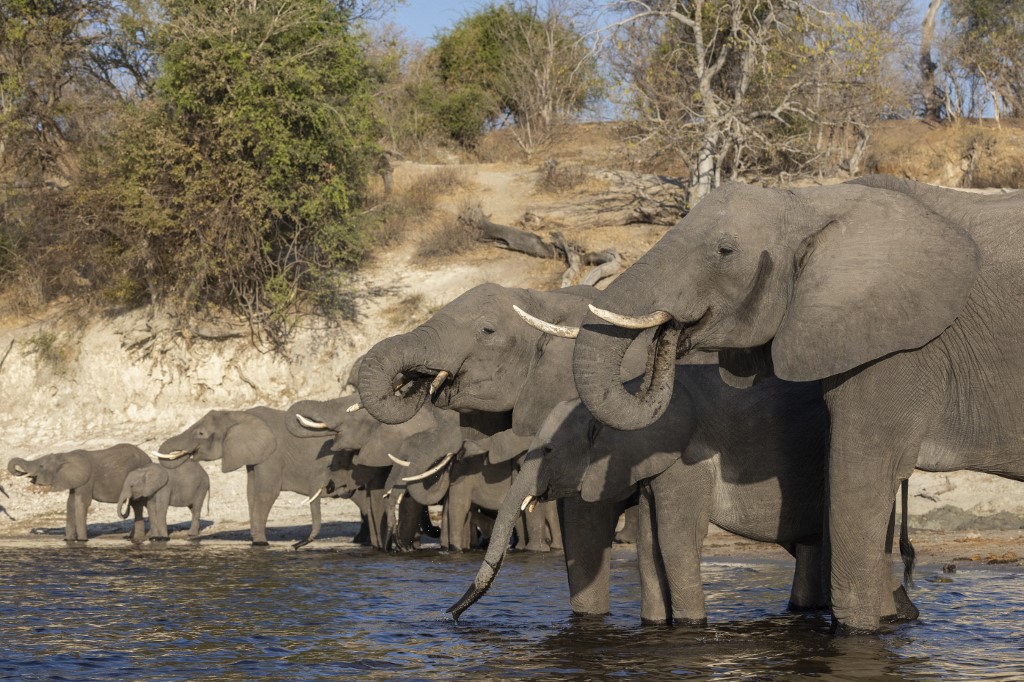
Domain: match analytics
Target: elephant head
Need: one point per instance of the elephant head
(476, 354)
(59, 471)
(237, 438)
(805, 284)
(317, 418)
(142, 484)
(425, 461)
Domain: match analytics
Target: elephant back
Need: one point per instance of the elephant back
(110, 467)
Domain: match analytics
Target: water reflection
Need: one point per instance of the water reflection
(204, 612)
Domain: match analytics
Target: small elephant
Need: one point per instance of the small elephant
(274, 459)
(177, 483)
(752, 462)
(87, 475)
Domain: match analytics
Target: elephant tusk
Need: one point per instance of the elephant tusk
(530, 499)
(565, 331)
(307, 423)
(354, 407)
(399, 462)
(432, 470)
(655, 319)
(398, 511)
(312, 498)
(388, 493)
(177, 454)
(441, 377)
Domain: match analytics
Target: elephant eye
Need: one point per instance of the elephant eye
(726, 247)
(487, 330)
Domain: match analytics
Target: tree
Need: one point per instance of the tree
(237, 183)
(528, 61)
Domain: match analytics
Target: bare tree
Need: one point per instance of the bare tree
(932, 95)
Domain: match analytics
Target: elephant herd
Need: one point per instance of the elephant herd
(778, 365)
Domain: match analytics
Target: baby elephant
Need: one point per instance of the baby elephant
(87, 475)
(178, 483)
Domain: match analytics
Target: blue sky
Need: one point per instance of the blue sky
(422, 19)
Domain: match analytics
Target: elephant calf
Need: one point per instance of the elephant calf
(177, 483)
(87, 475)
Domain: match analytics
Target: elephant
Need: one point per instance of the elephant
(903, 299)
(275, 460)
(361, 454)
(177, 483)
(752, 462)
(476, 355)
(87, 475)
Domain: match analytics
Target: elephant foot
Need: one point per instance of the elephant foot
(905, 609)
(805, 608)
(75, 541)
(655, 622)
(691, 622)
(159, 539)
(841, 629)
(260, 543)
(538, 547)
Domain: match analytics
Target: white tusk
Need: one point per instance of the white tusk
(307, 423)
(355, 407)
(441, 377)
(398, 510)
(388, 493)
(526, 502)
(655, 319)
(564, 331)
(177, 454)
(399, 462)
(432, 470)
(310, 500)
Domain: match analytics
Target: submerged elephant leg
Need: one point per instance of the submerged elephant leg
(655, 600)
(807, 593)
(587, 533)
(682, 512)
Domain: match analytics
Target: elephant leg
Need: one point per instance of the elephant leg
(896, 604)
(314, 530)
(655, 597)
(264, 487)
(682, 498)
(807, 593)
(158, 519)
(138, 533)
(457, 509)
(197, 509)
(588, 530)
(407, 529)
(70, 524)
(536, 530)
(378, 518)
(551, 520)
(82, 500)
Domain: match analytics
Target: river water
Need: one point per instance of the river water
(191, 613)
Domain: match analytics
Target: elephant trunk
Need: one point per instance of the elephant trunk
(122, 510)
(597, 367)
(19, 467)
(519, 496)
(380, 368)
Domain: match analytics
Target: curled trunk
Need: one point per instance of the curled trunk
(380, 368)
(122, 510)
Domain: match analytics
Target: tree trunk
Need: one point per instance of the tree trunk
(931, 94)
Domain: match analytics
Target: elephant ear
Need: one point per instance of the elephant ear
(505, 445)
(249, 441)
(73, 472)
(888, 275)
(153, 478)
(490, 433)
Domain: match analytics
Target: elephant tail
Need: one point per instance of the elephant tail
(906, 548)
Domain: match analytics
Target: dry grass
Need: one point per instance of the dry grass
(455, 235)
(415, 204)
(556, 177)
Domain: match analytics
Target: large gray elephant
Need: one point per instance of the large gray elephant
(752, 462)
(87, 475)
(275, 460)
(176, 483)
(904, 299)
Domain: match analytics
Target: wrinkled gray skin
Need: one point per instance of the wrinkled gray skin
(177, 483)
(904, 299)
(274, 460)
(87, 475)
(751, 462)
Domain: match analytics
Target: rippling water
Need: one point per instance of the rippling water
(186, 613)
